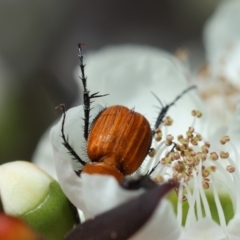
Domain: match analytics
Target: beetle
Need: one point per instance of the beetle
(119, 139)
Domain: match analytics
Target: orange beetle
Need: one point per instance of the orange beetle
(118, 142)
(119, 139)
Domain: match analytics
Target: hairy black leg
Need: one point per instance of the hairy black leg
(65, 139)
(86, 96)
(164, 109)
(162, 114)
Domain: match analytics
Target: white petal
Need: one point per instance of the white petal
(43, 155)
(102, 193)
(234, 128)
(233, 228)
(130, 73)
(106, 194)
(205, 229)
(162, 225)
(222, 41)
(69, 181)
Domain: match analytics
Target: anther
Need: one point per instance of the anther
(158, 135)
(194, 142)
(169, 137)
(224, 155)
(199, 137)
(167, 121)
(152, 152)
(205, 172)
(214, 156)
(230, 168)
(205, 184)
(224, 139)
(159, 178)
(191, 129)
(207, 144)
(180, 138)
(196, 113)
(213, 168)
(176, 155)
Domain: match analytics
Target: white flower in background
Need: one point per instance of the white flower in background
(218, 81)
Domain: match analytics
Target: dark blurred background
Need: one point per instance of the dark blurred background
(38, 53)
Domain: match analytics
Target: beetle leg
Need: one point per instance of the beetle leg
(86, 96)
(165, 109)
(65, 139)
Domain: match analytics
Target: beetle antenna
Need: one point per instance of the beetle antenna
(86, 93)
(65, 143)
(165, 109)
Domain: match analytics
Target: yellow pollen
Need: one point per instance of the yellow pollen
(159, 178)
(206, 179)
(163, 161)
(199, 137)
(176, 155)
(185, 143)
(180, 138)
(158, 137)
(205, 185)
(213, 168)
(192, 153)
(224, 139)
(204, 149)
(224, 155)
(194, 142)
(189, 134)
(230, 168)
(169, 137)
(168, 143)
(213, 156)
(186, 153)
(167, 121)
(207, 144)
(191, 129)
(205, 173)
(189, 161)
(152, 152)
(196, 113)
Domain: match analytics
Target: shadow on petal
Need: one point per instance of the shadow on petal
(123, 221)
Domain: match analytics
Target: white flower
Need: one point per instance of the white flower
(84, 192)
(129, 74)
(218, 82)
(146, 72)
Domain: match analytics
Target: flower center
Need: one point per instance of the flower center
(206, 179)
